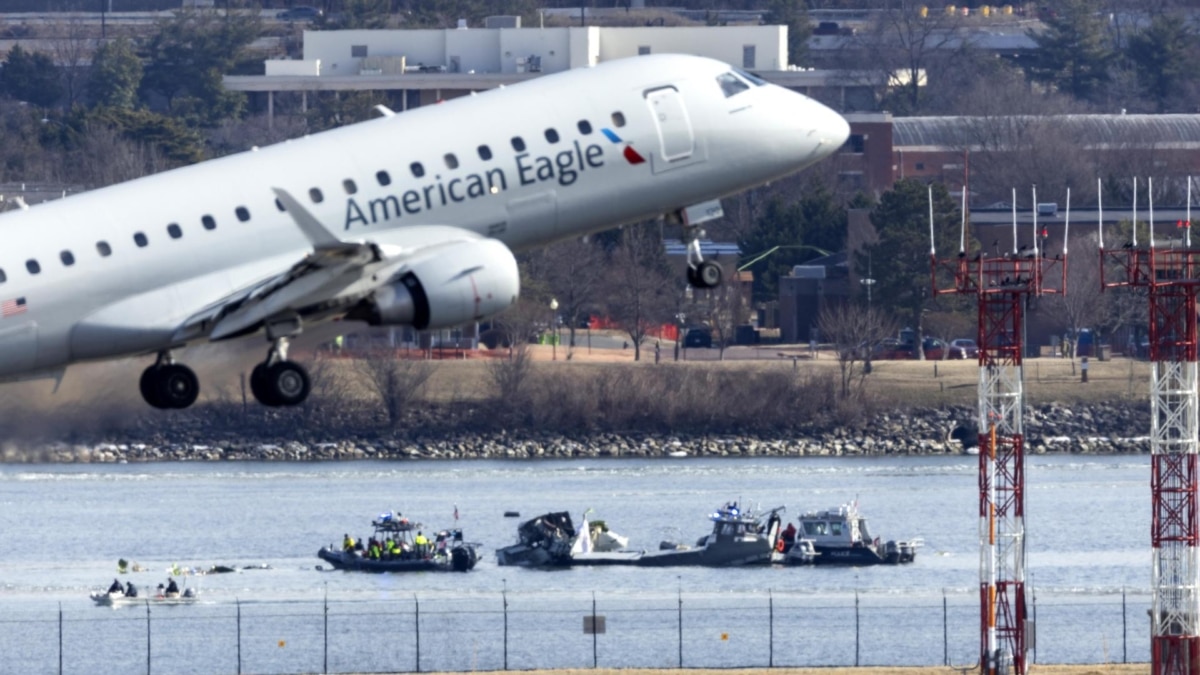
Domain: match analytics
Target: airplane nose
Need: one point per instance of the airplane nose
(831, 129)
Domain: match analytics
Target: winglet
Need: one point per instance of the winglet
(312, 228)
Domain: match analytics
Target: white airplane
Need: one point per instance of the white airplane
(409, 219)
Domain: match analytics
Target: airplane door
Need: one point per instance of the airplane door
(675, 137)
(18, 348)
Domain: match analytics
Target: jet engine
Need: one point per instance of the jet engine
(460, 283)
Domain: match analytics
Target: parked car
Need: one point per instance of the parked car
(698, 336)
(967, 349)
(299, 13)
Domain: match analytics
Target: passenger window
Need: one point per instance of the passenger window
(67, 258)
(417, 169)
(451, 161)
(104, 249)
(315, 195)
(174, 230)
(518, 144)
(383, 178)
(350, 187)
(551, 136)
(731, 85)
(209, 222)
(3, 277)
(140, 239)
(33, 266)
(618, 119)
(485, 153)
(243, 213)
(585, 127)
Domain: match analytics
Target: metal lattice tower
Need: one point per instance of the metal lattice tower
(1171, 277)
(1002, 284)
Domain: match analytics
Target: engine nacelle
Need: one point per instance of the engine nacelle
(458, 284)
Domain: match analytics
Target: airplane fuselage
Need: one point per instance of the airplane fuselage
(115, 271)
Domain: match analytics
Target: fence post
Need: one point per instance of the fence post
(594, 631)
(771, 629)
(856, 634)
(680, 580)
(945, 630)
(147, 637)
(60, 639)
(504, 594)
(417, 628)
(1124, 634)
(325, 661)
(238, 602)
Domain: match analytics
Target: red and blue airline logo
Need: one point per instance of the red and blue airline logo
(631, 155)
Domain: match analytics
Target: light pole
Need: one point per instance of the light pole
(554, 323)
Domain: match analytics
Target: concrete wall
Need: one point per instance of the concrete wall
(484, 50)
(724, 43)
(284, 67)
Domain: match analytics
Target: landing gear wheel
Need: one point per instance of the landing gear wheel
(258, 386)
(178, 386)
(707, 274)
(150, 389)
(287, 383)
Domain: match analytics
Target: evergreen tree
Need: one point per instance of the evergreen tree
(792, 233)
(188, 57)
(899, 261)
(792, 13)
(1163, 55)
(30, 76)
(116, 75)
(1073, 52)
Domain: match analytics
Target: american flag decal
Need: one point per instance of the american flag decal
(13, 307)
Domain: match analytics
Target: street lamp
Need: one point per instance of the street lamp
(554, 323)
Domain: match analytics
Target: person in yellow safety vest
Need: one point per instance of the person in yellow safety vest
(393, 548)
(421, 542)
(347, 543)
(374, 552)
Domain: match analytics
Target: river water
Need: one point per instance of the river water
(64, 528)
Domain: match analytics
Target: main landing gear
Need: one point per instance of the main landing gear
(277, 381)
(169, 385)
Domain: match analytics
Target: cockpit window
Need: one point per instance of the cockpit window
(751, 77)
(731, 85)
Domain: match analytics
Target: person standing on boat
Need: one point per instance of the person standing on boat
(130, 590)
(172, 588)
(347, 543)
(422, 543)
(115, 587)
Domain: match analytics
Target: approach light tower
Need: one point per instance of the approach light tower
(1002, 284)
(1171, 275)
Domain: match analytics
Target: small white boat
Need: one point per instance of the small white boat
(159, 597)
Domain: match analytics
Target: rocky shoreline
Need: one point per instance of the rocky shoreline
(1095, 428)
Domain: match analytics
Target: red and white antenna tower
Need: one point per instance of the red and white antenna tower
(1002, 283)
(1171, 276)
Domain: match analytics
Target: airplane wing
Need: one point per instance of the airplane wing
(332, 279)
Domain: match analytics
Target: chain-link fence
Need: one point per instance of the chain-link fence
(511, 631)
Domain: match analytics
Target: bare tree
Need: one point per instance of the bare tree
(854, 330)
(576, 270)
(639, 298)
(397, 381)
(510, 375)
(73, 46)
